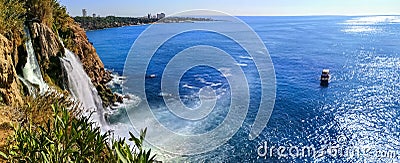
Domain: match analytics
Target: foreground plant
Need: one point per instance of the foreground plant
(66, 138)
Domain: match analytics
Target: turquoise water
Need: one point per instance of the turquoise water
(360, 108)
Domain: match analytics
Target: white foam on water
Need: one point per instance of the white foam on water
(188, 86)
(241, 64)
(215, 84)
(128, 100)
(246, 57)
(226, 72)
(116, 80)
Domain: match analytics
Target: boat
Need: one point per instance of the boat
(325, 77)
(151, 76)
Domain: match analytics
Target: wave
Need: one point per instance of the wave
(116, 80)
(164, 94)
(204, 81)
(127, 100)
(226, 72)
(242, 64)
(201, 80)
(215, 84)
(246, 57)
(189, 86)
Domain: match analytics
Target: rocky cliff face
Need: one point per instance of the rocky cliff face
(87, 53)
(48, 49)
(9, 82)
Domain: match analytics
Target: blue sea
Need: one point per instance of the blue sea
(355, 119)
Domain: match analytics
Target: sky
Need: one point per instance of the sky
(137, 8)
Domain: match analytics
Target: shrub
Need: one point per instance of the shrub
(12, 17)
(67, 137)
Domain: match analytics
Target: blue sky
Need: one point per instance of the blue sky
(235, 7)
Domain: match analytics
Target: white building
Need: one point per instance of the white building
(160, 16)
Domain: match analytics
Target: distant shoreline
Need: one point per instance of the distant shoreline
(97, 23)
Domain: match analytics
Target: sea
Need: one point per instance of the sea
(356, 118)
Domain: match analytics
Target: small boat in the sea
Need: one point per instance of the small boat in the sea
(151, 76)
(325, 77)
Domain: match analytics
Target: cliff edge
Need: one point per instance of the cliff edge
(9, 83)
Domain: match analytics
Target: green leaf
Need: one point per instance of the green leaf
(44, 156)
(120, 156)
(3, 155)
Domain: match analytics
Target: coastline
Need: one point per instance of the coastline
(98, 23)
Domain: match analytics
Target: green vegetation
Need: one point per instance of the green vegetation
(13, 14)
(66, 136)
(12, 17)
(92, 23)
(41, 10)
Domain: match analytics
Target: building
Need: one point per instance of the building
(84, 12)
(160, 16)
(94, 15)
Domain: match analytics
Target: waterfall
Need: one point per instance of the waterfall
(82, 89)
(32, 76)
(79, 83)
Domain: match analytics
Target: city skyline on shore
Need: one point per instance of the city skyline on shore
(235, 7)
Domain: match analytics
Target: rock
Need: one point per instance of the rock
(46, 43)
(127, 97)
(120, 99)
(9, 83)
(48, 49)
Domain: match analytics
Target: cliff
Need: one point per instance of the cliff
(48, 49)
(80, 45)
(9, 82)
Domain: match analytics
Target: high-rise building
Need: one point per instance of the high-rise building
(160, 16)
(84, 12)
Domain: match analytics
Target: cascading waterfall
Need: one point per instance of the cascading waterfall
(32, 76)
(82, 88)
(79, 83)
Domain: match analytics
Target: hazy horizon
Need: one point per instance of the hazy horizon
(236, 7)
